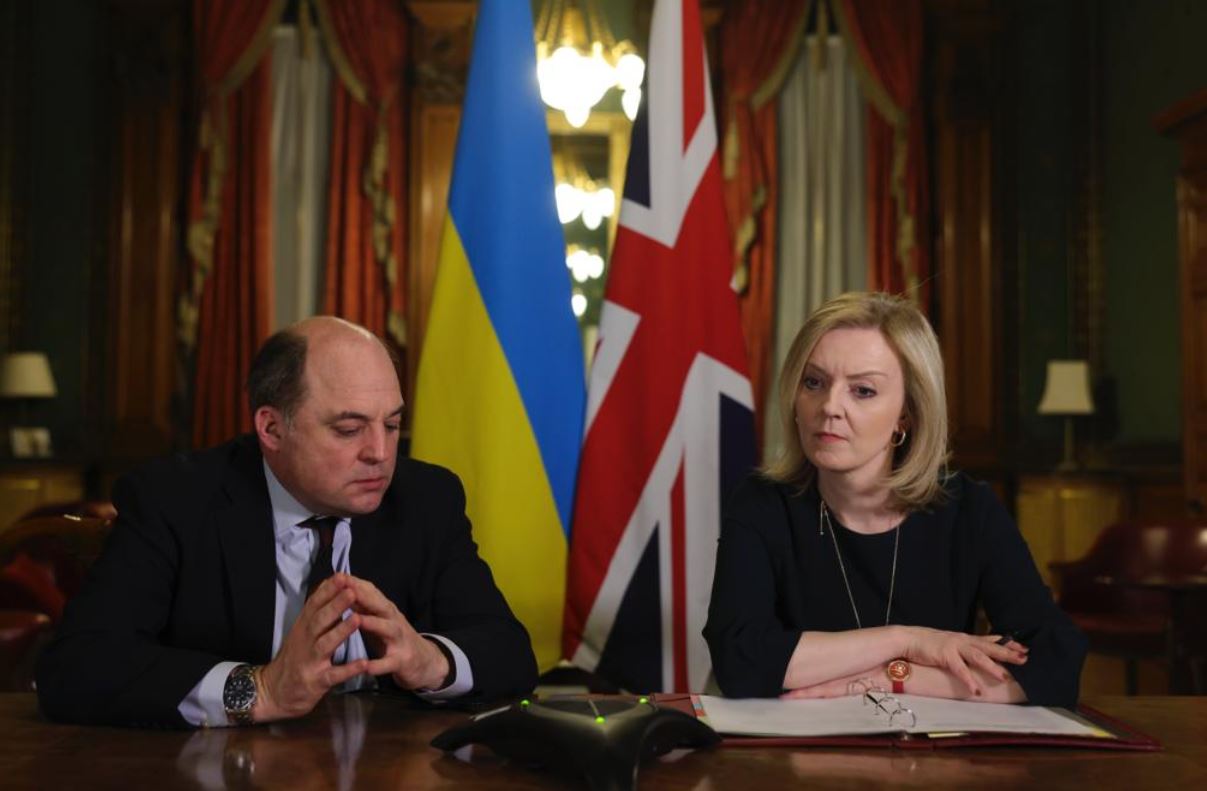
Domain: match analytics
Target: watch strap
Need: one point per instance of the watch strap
(898, 671)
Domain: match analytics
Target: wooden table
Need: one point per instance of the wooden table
(1187, 634)
(365, 742)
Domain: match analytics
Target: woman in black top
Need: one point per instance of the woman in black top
(854, 557)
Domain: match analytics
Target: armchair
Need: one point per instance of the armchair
(1120, 593)
(43, 562)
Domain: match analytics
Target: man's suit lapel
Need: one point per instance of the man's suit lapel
(368, 558)
(376, 535)
(245, 530)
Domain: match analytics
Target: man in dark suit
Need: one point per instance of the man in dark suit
(242, 583)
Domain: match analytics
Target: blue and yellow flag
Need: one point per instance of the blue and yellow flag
(501, 390)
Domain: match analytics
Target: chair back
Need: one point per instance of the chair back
(1131, 551)
(47, 559)
(94, 509)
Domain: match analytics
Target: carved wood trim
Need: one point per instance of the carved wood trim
(969, 280)
(145, 252)
(440, 48)
(14, 176)
(434, 135)
(1186, 122)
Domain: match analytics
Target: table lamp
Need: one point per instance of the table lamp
(25, 376)
(1067, 392)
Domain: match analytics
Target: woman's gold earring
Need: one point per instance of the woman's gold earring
(897, 441)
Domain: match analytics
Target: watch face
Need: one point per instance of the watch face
(239, 694)
(898, 670)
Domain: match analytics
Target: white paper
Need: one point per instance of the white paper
(857, 714)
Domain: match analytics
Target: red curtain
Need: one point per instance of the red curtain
(759, 41)
(888, 38)
(225, 310)
(365, 275)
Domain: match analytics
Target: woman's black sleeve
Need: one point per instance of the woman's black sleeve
(1016, 600)
(749, 644)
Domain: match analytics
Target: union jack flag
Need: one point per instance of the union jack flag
(670, 423)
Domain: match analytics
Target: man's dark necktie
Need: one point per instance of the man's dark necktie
(324, 529)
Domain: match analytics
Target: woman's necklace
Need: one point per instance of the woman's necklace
(823, 519)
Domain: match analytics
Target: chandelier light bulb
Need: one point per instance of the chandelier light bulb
(630, 70)
(591, 216)
(569, 202)
(580, 265)
(595, 266)
(604, 201)
(578, 304)
(545, 79)
(630, 102)
(577, 115)
(597, 75)
(558, 76)
(564, 54)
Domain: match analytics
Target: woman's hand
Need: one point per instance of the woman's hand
(935, 682)
(827, 661)
(931, 682)
(957, 653)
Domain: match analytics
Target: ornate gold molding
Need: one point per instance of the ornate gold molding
(441, 40)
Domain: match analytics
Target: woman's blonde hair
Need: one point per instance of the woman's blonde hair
(919, 461)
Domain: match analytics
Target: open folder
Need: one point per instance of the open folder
(908, 721)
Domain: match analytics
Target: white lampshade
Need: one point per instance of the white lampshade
(26, 375)
(1067, 391)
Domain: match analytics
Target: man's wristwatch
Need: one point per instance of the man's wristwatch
(898, 671)
(240, 694)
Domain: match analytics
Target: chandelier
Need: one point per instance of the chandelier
(578, 61)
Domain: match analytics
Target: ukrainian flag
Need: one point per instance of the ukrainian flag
(501, 391)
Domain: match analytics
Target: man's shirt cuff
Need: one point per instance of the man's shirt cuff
(203, 706)
(462, 683)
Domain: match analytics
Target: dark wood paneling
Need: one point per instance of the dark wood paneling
(1187, 123)
(440, 44)
(149, 94)
(1192, 227)
(14, 176)
(436, 129)
(968, 274)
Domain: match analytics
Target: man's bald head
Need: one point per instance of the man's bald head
(328, 414)
(277, 375)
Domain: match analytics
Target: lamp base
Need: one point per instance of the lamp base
(1069, 463)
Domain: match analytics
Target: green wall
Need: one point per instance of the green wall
(1041, 170)
(1153, 54)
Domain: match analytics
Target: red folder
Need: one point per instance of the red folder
(1123, 736)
